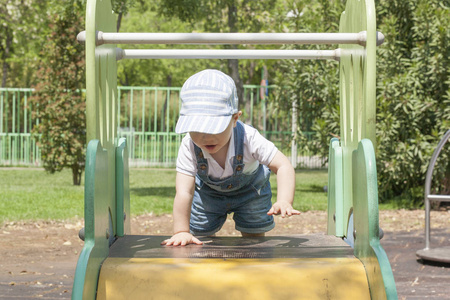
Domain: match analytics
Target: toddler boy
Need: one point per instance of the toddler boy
(224, 166)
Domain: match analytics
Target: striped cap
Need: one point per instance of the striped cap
(208, 100)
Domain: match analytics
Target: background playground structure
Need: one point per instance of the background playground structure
(147, 118)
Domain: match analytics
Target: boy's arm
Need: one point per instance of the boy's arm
(281, 166)
(185, 185)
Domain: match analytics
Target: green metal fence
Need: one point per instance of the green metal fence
(17, 146)
(146, 117)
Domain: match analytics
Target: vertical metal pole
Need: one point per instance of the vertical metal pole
(38, 156)
(14, 113)
(261, 110)
(150, 108)
(263, 97)
(294, 135)
(143, 126)
(13, 141)
(7, 112)
(427, 191)
(2, 140)
(251, 108)
(264, 116)
(119, 95)
(1, 112)
(155, 127)
(26, 154)
(167, 127)
(130, 124)
(427, 222)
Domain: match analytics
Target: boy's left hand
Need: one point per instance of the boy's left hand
(283, 208)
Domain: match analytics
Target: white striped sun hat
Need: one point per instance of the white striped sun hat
(208, 100)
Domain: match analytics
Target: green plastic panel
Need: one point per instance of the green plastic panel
(122, 189)
(101, 94)
(106, 165)
(357, 88)
(358, 178)
(367, 242)
(97, 223)
(336, 218)
(101, 75)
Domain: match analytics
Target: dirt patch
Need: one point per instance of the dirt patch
(39, 259)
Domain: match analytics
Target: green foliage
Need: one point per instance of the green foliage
(150, 72)
(122, 6)
(413, 106)
(196, 16)
(58, 101)
(413, 95)
(22, 26)
(312, 85)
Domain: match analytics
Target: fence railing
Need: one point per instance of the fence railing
(17, 146)
(147, 118)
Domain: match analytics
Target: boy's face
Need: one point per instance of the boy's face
(212, 143)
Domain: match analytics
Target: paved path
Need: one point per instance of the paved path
(416, 279)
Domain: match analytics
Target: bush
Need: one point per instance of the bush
(413, 96)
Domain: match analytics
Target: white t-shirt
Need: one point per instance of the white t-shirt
(257, 149)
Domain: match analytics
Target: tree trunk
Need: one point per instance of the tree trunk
(5, 56)
(119, 21)
(76, 174)
(233, 69)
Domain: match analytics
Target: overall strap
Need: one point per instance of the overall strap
(202, 162)
(238, 161)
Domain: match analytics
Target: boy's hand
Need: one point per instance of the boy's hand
(283, 208)
(181, 239)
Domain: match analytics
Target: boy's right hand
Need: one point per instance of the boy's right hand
(182, 239)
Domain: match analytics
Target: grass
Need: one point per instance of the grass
(33, 194)
(153, 190)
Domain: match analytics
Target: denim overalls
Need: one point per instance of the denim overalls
(247, 196)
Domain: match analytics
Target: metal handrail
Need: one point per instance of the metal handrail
(429, 197)
(229, 38)
(226, 54)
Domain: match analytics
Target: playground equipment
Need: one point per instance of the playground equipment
(441, 254)
(116, 265)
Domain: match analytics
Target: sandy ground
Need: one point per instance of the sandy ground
(39, 259)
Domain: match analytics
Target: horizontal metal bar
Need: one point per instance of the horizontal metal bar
(443, 198)
(16, 90)
(226, 54)
(230, 38)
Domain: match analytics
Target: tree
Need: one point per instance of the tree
(312, 85)
(22, 24)
(227, 16)
(413, 95)
(58, 100)
(142, 17)
(121, 8)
